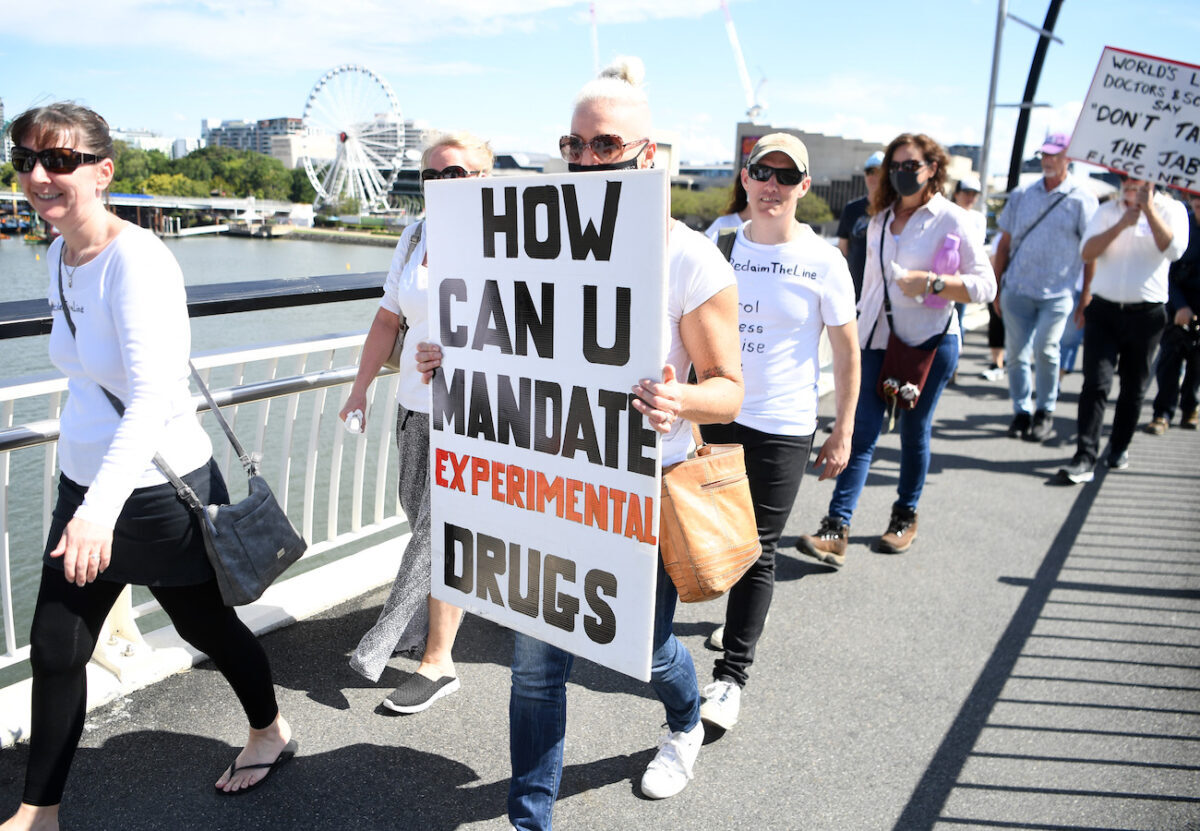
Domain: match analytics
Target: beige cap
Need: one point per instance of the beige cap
(784, 143)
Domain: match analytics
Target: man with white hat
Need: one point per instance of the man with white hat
(852, 225)
(1037, 263)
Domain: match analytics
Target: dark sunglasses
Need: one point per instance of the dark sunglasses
(451, 172)
(53, 159)
(607, 148)
(785, 176)
(908, 166)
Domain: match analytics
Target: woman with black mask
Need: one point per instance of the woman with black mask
(911, 222)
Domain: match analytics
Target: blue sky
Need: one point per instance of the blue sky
(509, 70)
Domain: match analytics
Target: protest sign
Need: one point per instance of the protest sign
(548, 296)
(1142, 118)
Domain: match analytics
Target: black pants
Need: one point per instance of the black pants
(1178, 353)
(66, 624)
(1120, 338)
(774, 466)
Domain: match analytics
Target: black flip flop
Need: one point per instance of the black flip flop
(285, 755)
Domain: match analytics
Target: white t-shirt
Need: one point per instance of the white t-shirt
(404, 293)
(721, 223)
(695, 272)
(132, 337)
(1132, 269)
(786, 294)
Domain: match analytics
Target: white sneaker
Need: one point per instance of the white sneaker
(716, 640)
(722, 701)
(670, 770)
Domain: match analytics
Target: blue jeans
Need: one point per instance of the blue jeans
(537, 708)
(916, 426)
(1033, 330)
(1072, 339)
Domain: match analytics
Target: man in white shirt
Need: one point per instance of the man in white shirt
(1132, 241)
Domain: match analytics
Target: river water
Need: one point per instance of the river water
(217, 259)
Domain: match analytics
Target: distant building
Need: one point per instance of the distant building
(267, 128)
(967, 151)
(145, 140)
(235, 134)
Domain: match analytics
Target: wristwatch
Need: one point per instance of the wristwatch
(938, 284)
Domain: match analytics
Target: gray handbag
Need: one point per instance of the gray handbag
(249, 544)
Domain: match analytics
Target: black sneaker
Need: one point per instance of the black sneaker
(417, 693)
(1118, 461)
(1079, 471)
(1039, 428)
(1020, 425)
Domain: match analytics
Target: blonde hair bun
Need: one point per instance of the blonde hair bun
(626, 68)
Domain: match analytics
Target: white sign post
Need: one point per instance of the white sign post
(1142, 118)
(548, 296)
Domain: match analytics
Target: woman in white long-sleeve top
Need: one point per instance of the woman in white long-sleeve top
(117, 520)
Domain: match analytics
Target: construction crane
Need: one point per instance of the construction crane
(754, 103)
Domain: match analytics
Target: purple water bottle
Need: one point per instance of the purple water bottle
(946, 262)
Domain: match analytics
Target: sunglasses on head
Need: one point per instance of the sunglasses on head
(908, 166)
(785, 176)
(53, 159)
(450, 172)
(607, 148)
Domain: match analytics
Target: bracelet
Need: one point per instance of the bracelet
(928, 282)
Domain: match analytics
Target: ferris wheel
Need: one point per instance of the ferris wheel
(355, 137)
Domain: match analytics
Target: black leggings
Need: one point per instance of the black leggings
(66, 624)
(775, 464)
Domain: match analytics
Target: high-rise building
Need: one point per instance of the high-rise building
(268, 127)
(236, 134)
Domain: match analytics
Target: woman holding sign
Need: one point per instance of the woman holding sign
(611, 130)
(411, 619)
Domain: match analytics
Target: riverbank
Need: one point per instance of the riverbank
(342, 235)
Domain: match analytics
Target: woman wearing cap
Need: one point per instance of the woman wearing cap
(117, 520)
(610, 130)
(791, 286)
(411, 619)
(909, 224)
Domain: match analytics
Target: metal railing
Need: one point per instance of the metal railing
(337, 488)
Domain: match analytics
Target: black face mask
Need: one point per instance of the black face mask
(904, 182)
(628, 164)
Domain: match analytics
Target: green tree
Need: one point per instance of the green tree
(8, 175)
(302, 189)
(173, 184)
(699, 207)
(813, 209)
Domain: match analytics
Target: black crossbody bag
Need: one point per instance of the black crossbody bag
(249, 544)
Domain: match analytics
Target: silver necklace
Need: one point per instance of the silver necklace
(69, 269)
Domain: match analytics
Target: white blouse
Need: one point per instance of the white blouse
(914, 249)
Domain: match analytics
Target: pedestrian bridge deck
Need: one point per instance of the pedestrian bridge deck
(1032, 662)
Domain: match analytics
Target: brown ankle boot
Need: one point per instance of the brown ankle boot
(829, 543)
(901, 531)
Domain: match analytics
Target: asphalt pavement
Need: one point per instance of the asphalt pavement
(1032, 663)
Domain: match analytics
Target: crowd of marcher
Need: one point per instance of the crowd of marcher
(910, 255)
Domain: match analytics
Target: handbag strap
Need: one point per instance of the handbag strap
(887, 301)
(1016, 244)
(185, 492)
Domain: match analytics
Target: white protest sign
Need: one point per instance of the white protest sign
(1142, 118)
(548, 296)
